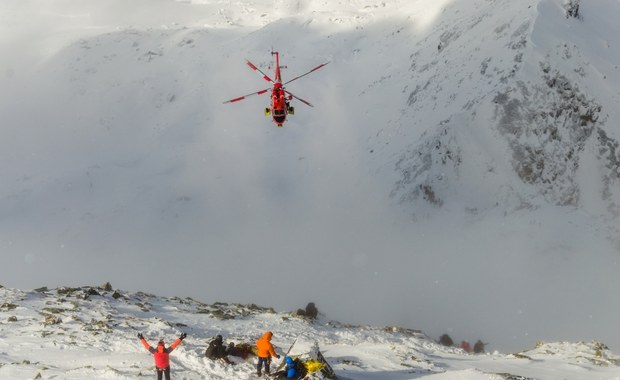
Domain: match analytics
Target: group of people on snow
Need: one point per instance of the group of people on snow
(264, 351)
(216, 350)
(478, 348)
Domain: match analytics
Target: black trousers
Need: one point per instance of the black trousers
(163, 371)
(266, 361)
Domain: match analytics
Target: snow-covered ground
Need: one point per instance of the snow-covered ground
(443, 181)
(90, 333)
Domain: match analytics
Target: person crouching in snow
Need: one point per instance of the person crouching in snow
(217, 350)
(161, 354)
(290, 372)
(265, 352)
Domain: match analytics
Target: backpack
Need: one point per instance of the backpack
(300, 368)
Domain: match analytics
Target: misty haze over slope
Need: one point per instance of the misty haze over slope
(458, 173)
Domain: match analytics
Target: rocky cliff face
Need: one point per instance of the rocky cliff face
(527, 99)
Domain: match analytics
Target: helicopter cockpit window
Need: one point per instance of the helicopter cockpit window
(279, 116)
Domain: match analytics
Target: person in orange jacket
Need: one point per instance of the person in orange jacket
(265, 352)
(161, 354)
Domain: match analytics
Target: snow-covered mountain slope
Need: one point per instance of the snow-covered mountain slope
(444, 175)
(90, 332)
(525, 113)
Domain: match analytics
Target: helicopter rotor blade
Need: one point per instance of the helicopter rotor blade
(245, 96)
(303, 75)
(253, 67)
(298, 98)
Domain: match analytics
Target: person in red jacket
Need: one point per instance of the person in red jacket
(161, 354)
(465, 346)
(265, 352)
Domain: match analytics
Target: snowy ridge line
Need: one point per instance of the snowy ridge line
(90, 332)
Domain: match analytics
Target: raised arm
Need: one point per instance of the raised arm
(145, 343)
(176, 342)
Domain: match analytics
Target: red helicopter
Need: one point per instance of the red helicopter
(280, 97)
